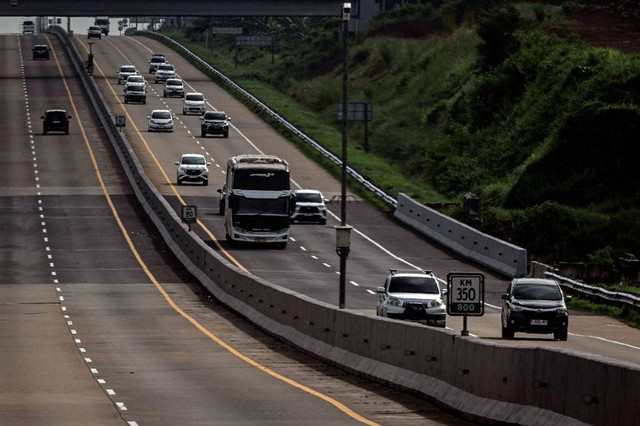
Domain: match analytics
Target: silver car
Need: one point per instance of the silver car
(173, 87)
(412, 295)
(160, 120)
(193, 168)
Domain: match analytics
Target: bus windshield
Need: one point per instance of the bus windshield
(261, 180)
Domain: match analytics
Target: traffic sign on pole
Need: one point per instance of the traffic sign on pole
(465, 296)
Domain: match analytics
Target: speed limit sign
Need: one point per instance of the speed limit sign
(189, 214)
(465, 294)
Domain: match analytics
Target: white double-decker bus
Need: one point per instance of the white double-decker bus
(256, 200)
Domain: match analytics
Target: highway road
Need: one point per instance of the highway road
(309, 265)
(99, 323)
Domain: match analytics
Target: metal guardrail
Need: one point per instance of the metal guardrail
(380, 193)
(595, 293)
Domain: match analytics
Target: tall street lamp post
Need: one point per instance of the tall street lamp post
(343, 231)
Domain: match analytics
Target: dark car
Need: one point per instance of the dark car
(214, 123)
(40, 51)
(535, 305)
(55, 120)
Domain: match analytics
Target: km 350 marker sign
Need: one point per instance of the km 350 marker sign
(465, 294)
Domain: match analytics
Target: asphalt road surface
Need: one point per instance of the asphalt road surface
(99, 323)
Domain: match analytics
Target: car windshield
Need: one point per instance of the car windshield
(308, 197)
(57, 115)
(102, 21)
(537, 292)
(166, 68)
(127, 69)
(94, 29)
(174, 82)
(195, 98)
(158, 59)
(215, 116)
(135, 89)
(192, 160)
(161, 114)
(40, 48)
(135, 79)
(413, 285)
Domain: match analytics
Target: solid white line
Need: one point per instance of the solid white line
(372, 292)
(607, 340)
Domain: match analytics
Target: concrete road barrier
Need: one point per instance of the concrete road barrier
(470, 243)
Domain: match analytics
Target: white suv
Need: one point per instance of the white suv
(163, 72)
(193, 167)
(193, 102)
(412, 295)
(309, 206)
(126, 71)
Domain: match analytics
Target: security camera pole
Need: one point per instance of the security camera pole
(343, 231)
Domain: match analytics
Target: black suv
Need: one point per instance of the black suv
(55, 120)
(214, 123)
(40, 51)
(535, 305)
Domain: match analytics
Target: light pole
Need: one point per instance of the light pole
(343, 231)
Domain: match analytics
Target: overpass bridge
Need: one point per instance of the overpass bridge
(363, 10)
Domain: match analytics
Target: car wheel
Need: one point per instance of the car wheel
(221, 208)
(179, 181)
(205, 182)
(226, 135)
(323, 222)
(144, 102)
(126, 101)
(561, 334)
(44, 131)
(507, 333)
(66, 132)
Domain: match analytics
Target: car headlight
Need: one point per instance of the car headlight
(516, 308)
(435, 303)
(561, 310)
(395, 302)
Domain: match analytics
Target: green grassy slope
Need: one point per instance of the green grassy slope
(470, 96)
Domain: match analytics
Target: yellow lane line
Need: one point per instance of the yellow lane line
(162, 291)
(155, 160)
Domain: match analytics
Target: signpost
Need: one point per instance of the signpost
(121, 121)
(189, 215)
(260, 41)
(465, 296)
(358, 111)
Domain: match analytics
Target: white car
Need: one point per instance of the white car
(193, 102)
(193, 168)
(174, 87)
(412, 295)
(163, 72)
(310, 206)
(126, 71)
(94, 32)
(135, 80)
(28, 27)
(156, 60)
(160, 120)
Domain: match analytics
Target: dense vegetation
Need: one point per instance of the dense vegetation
(469, 96)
